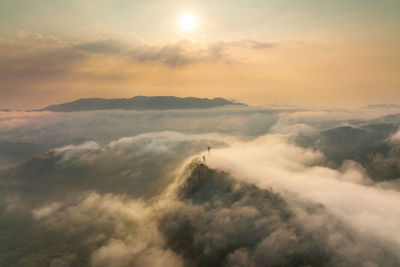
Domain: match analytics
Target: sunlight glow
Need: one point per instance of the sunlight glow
(188, 22)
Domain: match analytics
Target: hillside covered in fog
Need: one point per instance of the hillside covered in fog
(279, 187)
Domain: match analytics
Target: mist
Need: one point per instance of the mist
(280, 186)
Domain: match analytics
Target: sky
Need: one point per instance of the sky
(303, 52)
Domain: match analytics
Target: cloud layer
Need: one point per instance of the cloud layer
(123, 188)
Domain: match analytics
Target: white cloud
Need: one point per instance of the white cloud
(270, 161)
(44, 211)
(395, 138)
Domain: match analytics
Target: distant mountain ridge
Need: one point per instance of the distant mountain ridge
(383, 106)
(141, 103)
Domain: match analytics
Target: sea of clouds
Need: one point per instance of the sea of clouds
(281, 186)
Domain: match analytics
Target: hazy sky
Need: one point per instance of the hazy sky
(313, 52)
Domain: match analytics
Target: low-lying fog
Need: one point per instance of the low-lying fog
(279, 187)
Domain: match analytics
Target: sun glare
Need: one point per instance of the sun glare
(188, 22)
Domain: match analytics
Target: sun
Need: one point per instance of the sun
(188, 22)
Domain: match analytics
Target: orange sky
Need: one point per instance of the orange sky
(341, 55)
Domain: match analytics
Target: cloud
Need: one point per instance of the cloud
(252, 44)
(179, 54)
(38, 65)
(208, 217)
(85, 146)
(172, 54)
(120, 188)
(187, 52)
(118, 253)
(271, 162)
(36, 61)
(47, 57)
(121, 230)
(60, 129)
(395, 138)
(41, 212)
(19, 74)
(106, 46)
(368, 144)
